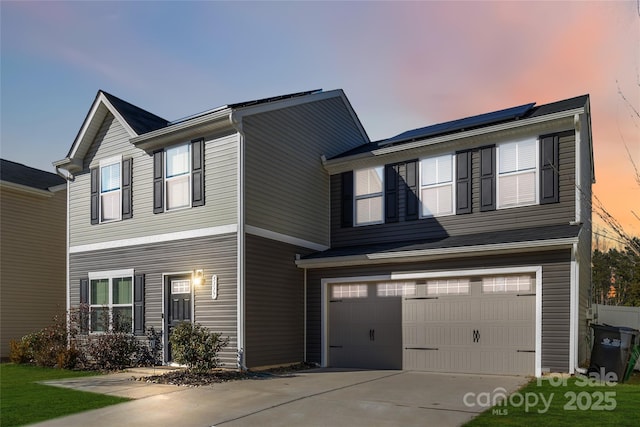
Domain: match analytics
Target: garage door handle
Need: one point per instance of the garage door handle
(476, 335)
(372, 334)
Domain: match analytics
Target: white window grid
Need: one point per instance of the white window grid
(518, 171)
(179, 178)
(506, 284)
(352, 290)
(396, 289)
(448, 286)
(436, 178)
(182, 286)
(368, 186)
(110, 305)
(110, 197)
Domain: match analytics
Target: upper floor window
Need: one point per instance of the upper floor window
(178, 177)
(369, 185)
(110, 197)
(517, 173)
(436, 185)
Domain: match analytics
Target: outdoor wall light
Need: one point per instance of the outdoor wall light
(198, 275)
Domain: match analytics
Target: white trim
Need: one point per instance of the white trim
(94, 275)
(537, 270)
(156, 238)
(240, 314)
(438, 253)
(573, 311)
(284, 238)
(578, 171)
(66, 249)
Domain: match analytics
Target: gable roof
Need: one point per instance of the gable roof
(511, 114)
(141, 121)
(27, 176)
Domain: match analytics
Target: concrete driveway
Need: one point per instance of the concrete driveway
(322, 397)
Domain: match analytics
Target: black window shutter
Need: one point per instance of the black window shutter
(463, 182)
(83, 315)
(391, 193)
(488, 178)
(138, 304)
(549, 172)
(197, 172)
(412, 199)
(346, 199)
(95, 195)
(158, 181)
(127, 200)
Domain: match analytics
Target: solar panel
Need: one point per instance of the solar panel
(460, 124)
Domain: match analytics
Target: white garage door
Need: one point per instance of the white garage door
(474, 325)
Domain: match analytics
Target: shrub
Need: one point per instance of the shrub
(113, 350)
(195, 346)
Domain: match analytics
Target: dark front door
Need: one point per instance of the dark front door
(178, 303)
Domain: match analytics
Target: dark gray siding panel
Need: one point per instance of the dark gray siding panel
(215, 255)
(274, 303)
(555, 294)
(456, 225)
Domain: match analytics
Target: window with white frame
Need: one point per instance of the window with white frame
(178, 177)
(448, 286)
(436, 185)
(369, 185)
(110, 189)
(517, 173)
(351, 290)
(111, 302)
(503, 284)
(395, 289)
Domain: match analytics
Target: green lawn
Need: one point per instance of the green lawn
(22, 401)
(572, 402)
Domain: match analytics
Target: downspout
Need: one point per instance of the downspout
(69, 178)
(236, 122)
(573, 310)
(304, 339)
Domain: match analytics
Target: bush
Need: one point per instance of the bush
(195, 346)
(113, 350)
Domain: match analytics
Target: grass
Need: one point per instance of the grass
(573, 401)
(23, 401)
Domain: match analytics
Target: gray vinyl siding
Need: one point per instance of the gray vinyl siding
(555, 296)
(457, 225)
(32, 262)
(220, 190)
(584, 293)
(287, 188)
(215, 255)
(274, 303)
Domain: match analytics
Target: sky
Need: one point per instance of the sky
(403, 65)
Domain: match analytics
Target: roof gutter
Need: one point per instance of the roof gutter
(435, 254)
(399, 147)
(213, 121)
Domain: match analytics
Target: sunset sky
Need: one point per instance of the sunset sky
(402, 65)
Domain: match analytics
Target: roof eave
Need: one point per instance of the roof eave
(438, 253)
(184, 130)
(336, 165)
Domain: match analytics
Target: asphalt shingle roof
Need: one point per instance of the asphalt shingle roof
(24, 175)
(141, 121)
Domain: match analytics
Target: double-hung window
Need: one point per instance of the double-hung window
(517, 173)
(369, 185)
(178, 177)
(436, 185)
(111, 301)
(110, 190)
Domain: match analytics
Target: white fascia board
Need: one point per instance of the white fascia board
(338, 165)
(284, 238)
(439, 253)
(156, 238)
(217, 119)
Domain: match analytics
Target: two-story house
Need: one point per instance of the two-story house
(33, 207)
(201, 219)
(459, 247)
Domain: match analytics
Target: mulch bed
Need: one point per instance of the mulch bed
(185, 377)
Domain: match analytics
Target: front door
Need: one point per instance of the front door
(178, 303)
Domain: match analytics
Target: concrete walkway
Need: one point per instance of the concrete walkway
(321, 397)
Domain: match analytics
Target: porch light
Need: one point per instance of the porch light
(197, 277)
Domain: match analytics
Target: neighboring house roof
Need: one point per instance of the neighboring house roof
(447, 246)
(20, 174)
(474, 122)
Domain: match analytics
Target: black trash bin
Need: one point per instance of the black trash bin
(611, 349)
